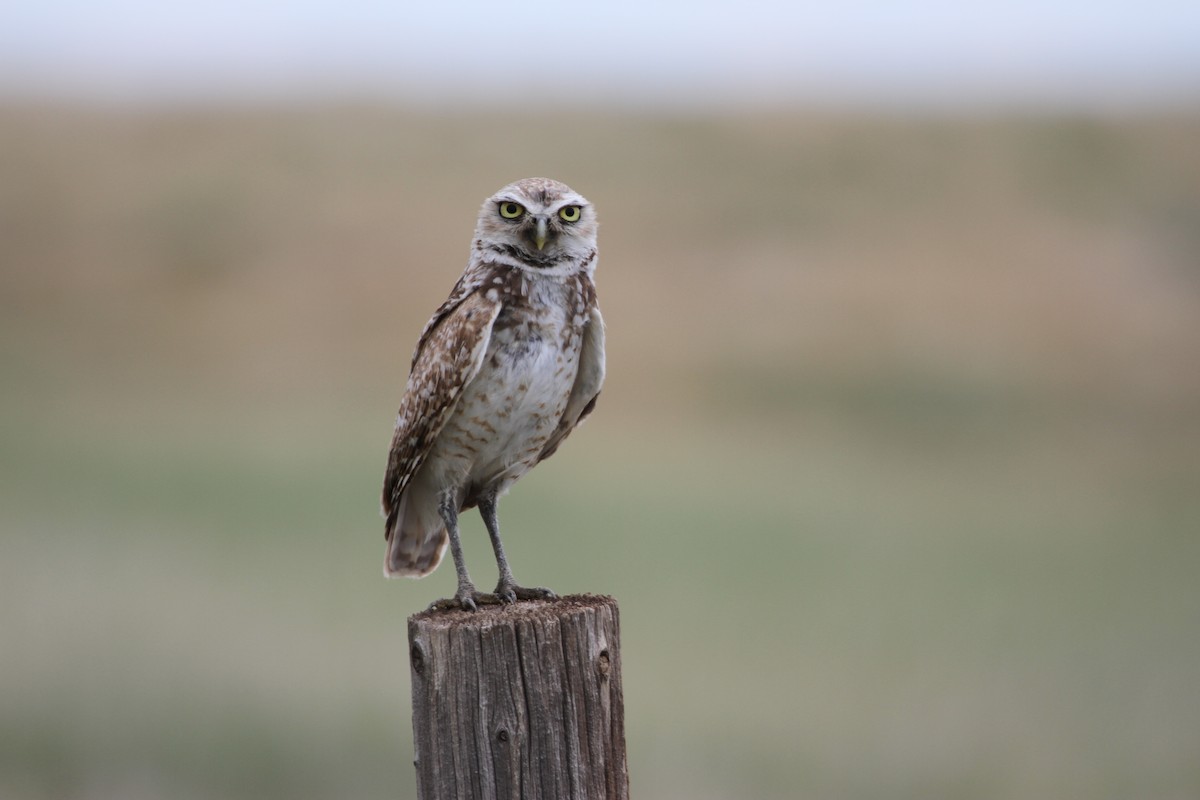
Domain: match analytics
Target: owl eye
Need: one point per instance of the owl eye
(511, 210)
(569, 213)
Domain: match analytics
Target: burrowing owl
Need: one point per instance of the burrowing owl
(503, 372)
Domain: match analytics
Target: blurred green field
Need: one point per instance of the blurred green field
(896, 475)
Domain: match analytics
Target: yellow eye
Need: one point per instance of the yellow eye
(569, 213)
(511, 210)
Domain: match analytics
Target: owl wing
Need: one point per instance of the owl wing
(448, 356)
(587, 383)
(468, 282)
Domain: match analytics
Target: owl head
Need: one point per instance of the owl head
(539, 223)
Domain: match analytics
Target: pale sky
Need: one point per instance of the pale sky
(532, 52)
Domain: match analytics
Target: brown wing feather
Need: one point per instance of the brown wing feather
(448, 356)
(588, 381)
(468, 282)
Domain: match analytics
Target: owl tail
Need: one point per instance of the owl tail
(416, 536)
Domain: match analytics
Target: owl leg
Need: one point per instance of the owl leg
(467, 597)
(507, 590)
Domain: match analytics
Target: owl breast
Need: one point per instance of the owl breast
(513, 405)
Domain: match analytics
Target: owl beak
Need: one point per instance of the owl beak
(540, 237)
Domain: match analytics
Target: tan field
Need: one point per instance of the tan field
(896, 475)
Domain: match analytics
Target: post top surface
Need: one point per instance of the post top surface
(521, 610)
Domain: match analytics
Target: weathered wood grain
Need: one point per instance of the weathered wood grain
(519, 701)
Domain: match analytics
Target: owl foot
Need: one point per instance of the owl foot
(465, 599)
(509, 592)
(468, 599)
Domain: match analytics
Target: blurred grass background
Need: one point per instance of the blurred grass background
(895, 475)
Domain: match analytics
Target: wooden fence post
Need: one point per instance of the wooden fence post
(519, 701)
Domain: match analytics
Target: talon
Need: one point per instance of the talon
(511, 593)
(506, 592)
(465, 599)
(535, 593)
(468, 600)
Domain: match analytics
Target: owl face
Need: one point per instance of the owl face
(539, 221)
